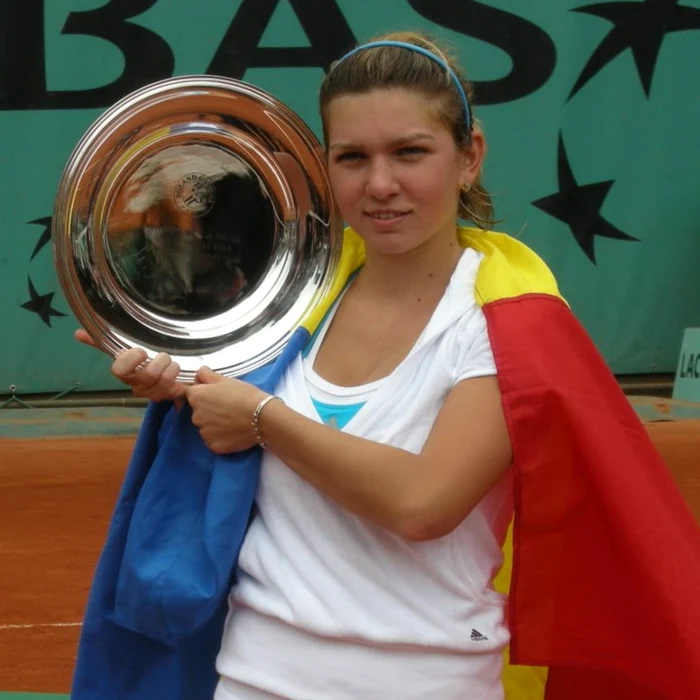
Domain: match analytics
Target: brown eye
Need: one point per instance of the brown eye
(350, 156)
(412, 151)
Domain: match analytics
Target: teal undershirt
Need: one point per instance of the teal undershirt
(336, 415)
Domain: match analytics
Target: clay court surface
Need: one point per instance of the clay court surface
(56, 497)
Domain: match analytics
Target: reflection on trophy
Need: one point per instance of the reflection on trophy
(193, 232)
(195, 217)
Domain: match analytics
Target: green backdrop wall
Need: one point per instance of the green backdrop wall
(591, 111)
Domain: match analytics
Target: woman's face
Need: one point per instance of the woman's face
(395, 169)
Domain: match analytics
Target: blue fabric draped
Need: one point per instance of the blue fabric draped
(158, 602)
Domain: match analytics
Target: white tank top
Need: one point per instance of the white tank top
(316, 583)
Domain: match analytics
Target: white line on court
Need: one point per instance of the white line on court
(48, 624)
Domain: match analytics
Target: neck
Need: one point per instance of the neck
(411, 274)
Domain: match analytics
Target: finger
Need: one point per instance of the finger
(167, 387)
(191, 393)
(150, 382)
(178, 392)
(208, 376)
(217, 448)
(82, 336)
(152, 374)
(170, 374)
(209, 440)
(197, 379)
(126, 364)
(174, 392)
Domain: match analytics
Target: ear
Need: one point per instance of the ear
(473, 157)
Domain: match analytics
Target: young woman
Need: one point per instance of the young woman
(386, 488)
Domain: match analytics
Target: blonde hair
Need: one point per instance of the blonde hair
(395, 67)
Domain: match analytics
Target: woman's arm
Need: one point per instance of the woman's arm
(420, 497)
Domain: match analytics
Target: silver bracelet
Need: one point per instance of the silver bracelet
(256, 419)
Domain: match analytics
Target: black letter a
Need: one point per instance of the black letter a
(324, 24)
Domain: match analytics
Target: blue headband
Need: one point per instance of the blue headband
(432, 57)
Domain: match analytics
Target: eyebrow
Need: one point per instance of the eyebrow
(417, 136)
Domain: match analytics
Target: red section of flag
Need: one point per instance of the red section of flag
(606, 569)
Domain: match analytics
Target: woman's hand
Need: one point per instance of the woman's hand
(156, 381)
(223, 410)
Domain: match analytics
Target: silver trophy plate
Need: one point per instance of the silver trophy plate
(195, 217)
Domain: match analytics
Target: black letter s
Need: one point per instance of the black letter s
(531, 49)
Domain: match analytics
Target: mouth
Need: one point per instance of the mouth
(386, 217)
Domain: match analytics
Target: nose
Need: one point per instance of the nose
(381, 180)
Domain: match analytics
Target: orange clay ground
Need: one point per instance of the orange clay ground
(56, 497)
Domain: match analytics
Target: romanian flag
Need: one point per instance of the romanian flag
(602, 561)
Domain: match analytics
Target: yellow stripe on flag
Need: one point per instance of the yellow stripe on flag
(519, 682)
(509, 268)
(352, 256)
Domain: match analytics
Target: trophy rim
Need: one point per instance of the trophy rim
(230, 346)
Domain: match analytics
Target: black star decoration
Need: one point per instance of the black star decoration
(578, 206)
(40, 304)
(640, 27)
(45, 236)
